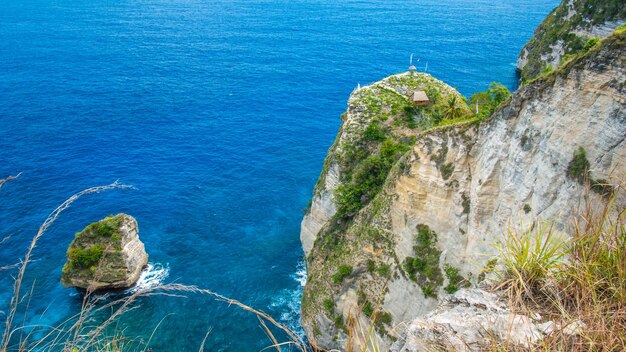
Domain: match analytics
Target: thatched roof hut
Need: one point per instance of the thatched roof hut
(420, 98)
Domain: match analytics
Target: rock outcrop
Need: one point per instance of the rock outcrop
(385, 257)
(568, 30)
(469, 320)
(105, 255)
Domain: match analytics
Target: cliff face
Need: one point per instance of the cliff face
(566, 31)
(445, 202)
(105, 255)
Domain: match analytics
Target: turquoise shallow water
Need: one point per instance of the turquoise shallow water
(220, 113)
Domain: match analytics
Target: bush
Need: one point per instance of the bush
(374, 132)
(602, 187)
(590, 44)
(578, 167)
(384, 318)
(489, 100)
(454, 279)
(85, 258)
(343, 271)
(428, 291)
(447, 170)
(424, 267)
(527, 208)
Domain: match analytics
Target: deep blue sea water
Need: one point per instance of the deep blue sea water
(220, 113)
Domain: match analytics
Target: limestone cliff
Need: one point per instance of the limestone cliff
(569, 29)
(105, 255)
(450, 192)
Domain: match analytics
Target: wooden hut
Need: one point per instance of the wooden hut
(420, 98)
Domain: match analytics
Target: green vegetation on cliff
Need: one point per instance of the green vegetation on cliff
(89, 247)
(561, 33)
(424, 267)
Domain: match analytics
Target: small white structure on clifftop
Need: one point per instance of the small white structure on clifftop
(412, 68)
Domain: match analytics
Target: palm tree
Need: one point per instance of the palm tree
(452, 110)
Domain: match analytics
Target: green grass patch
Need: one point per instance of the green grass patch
(342, 272)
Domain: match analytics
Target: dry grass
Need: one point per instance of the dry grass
(580, 280)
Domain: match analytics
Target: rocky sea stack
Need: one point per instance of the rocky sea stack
(105, 255)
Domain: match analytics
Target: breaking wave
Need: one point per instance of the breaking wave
(153, 275)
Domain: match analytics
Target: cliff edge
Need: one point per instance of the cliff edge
(409, 204)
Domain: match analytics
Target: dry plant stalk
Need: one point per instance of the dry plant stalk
(10, 178)
(16, 297)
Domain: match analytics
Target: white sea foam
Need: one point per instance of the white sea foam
(288, 301)
(152, 276)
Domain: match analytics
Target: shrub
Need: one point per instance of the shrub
(547, 69)
(447, 170)
(374, 132)
(343, 271)
(339, 322)
(590, 44)
(602, 187)
(85, 258)
(489, 100)
(578, 167)
(371, 266)
(424, 267)
(428, 291)
(527, 208)
(454, 279)
(384, 318)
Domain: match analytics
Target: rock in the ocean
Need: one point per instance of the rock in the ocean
(105, 255)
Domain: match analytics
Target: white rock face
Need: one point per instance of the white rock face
(599, 31)
(323, 207)
(133, 250)
(468, 321)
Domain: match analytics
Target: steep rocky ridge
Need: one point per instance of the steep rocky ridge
(449, 198)
(566, 31)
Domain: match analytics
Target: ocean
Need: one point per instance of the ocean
(220, 114)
